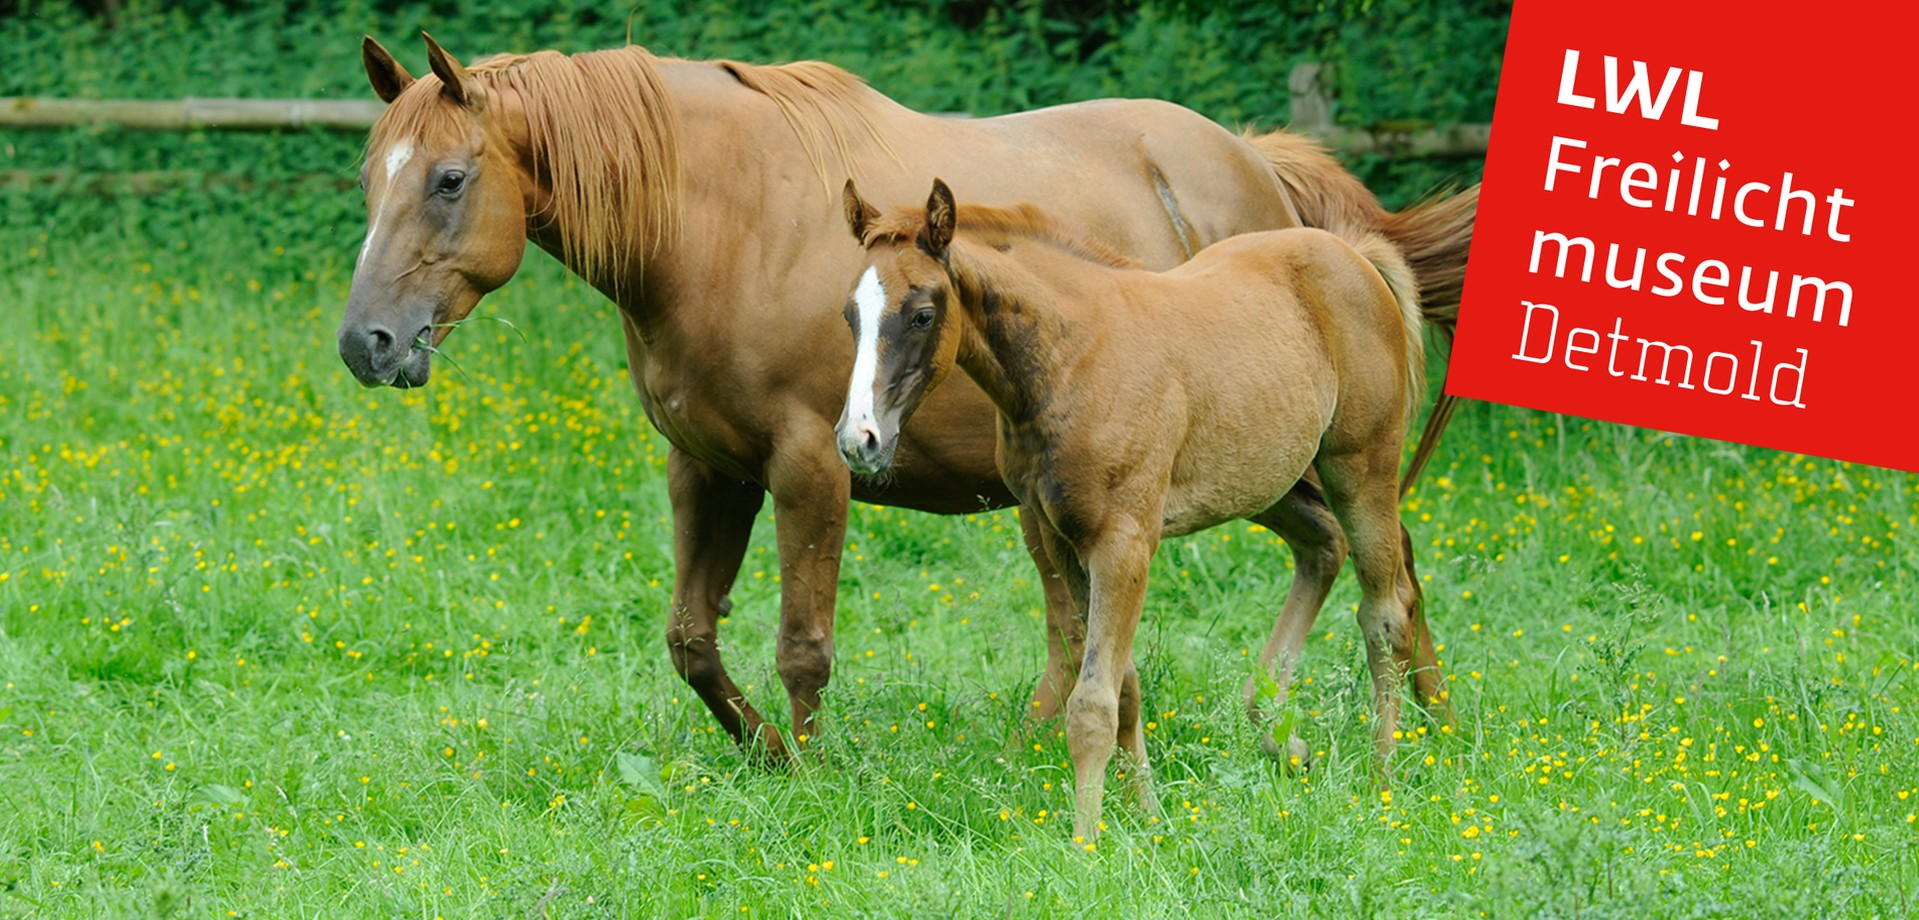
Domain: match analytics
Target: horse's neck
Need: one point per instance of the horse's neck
(1020, 328)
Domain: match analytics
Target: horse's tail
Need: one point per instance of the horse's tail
(1433, 236)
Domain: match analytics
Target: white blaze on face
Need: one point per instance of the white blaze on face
(396, 159)
(869, 299)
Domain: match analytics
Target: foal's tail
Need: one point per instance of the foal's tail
(1391, 264)
(1433, 235)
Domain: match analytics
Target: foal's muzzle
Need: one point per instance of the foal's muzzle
(863, 449)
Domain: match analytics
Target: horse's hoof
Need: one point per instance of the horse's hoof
(1148, 803)
(1294, 755)
(1049, 699)
(766, 750)
(1039, 712)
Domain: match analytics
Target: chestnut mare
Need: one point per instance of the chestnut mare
(1135, 405)
(703, 199)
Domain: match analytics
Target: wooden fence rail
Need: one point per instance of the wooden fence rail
(191, 113)
(1312, 114)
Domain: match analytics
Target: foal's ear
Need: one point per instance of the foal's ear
(458, 85)
(859, 214)
(389, 79)
(940, 218)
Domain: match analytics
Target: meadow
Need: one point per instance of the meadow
(273, 645)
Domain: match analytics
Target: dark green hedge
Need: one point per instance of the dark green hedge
(1228, 59)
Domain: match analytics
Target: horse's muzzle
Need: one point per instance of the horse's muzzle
(378, 357)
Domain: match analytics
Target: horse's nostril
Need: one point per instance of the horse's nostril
(872, 441)
(382, 340)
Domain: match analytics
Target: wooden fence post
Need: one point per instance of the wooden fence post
(1312, 112)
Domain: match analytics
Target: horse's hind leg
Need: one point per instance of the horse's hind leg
(1132, 739)
(1065, 628)
(712, 523)
(1428, 683)
(1313, 534)
(1362, 487)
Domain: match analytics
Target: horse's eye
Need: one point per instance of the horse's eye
(923, 319)
(452, 182)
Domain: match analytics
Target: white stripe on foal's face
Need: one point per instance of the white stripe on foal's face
(870, 300)
(396, 159)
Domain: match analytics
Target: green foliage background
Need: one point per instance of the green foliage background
(1394, 59)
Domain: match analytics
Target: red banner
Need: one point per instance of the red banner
(1688, 223)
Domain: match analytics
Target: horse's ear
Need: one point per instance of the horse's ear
(458, 85)
(859, 214)
(389, 79)
(940, 217)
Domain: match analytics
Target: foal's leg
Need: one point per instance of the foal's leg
(1116, 568)
(712, 522)
(1363, 490)
(1130, 732)
(1311, 531)
(1065, 628)
(811, 488)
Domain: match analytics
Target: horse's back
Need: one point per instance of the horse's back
(1116, 166)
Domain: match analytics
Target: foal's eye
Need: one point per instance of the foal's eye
(452, 182)
(922, 319)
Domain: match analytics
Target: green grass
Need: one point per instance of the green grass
(272, 645)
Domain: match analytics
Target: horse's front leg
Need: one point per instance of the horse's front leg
(1065, 628)
(712, 522)
(811, 488)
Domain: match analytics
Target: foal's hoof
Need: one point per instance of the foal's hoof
(1294, 755)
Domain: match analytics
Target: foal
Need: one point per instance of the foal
(1135, 405)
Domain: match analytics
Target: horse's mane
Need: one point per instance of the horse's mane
(603, 137)
(822, 103)
(994, 226)
(606, 138)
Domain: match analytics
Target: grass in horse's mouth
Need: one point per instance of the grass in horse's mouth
(420, 343)
(423, 343)
(481, 316)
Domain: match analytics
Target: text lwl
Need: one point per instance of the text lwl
(1639, 89)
